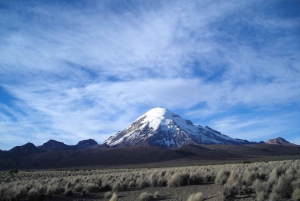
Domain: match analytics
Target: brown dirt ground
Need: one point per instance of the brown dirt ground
(211, 192)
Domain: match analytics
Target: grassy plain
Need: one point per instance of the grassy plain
(273, 180)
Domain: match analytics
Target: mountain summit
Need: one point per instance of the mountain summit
(161, 127)
(279, 141)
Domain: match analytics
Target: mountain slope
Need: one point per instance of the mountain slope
(134, 155)
(161, 127)
(53, 145)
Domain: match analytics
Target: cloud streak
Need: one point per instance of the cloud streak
(86, 70)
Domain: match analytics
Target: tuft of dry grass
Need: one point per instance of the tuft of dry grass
(114, 197)
(33, 195)
(156, 194)
(178, 179)
(146, 196)
(266, 180)
(108, 195)
(261, 196)
(196, 197)
(69, 193)
(274, 197)
(296, 194)
(119, 186)
(222, 176)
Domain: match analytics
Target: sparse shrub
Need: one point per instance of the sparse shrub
(132, 184)
(69, 193)
(273, 177)
(49, 192)
(233, 178)
(248, 177)
(146, 196)
(142, 182)
(178, 179)
(244, 190)
(208, 177)
(296, 194)
(33, 195)
(196, 197)
(114, 197)
(229, 190)
(91, 188)
(156, 194)
(78, 187)
(222, 177)
(261, 196)
(12, 172)
(268, 180)
(105, 187)
(196, 179)
(259, 186)
(119, 186)
(108, 195)
(274, 197)
(283, 188)
(153, 180)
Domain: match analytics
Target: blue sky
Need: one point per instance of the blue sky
(73, 70)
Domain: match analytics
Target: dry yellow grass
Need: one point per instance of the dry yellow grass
(282, 178)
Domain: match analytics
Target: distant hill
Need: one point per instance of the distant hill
(86, 144)
(53, 145)
(26, 148)
(279, 141)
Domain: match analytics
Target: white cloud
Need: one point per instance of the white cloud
(88, 72)
(107, 107)
(257, 127)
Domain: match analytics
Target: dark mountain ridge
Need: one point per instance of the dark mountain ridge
(26, 148)
(134, 155)
(53, 145)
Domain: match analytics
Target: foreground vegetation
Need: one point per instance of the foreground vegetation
(277, 180)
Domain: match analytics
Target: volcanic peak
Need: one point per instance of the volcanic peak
(161, 127)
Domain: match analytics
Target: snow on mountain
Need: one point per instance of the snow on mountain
(161, 127)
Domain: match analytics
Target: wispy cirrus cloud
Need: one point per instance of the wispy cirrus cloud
(86, 70)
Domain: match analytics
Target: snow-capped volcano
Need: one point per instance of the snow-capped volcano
(161, 127)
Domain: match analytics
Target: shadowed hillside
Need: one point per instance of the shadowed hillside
(134, 155)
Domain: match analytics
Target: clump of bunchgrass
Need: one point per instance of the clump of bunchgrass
(156, 194)
(222, 177)
(69, 193)
(196, 197)
(114, 197)
(296, 194)
(33, 195)
(146, 196)
(119, 186)
(108, 195)
(178, 179)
